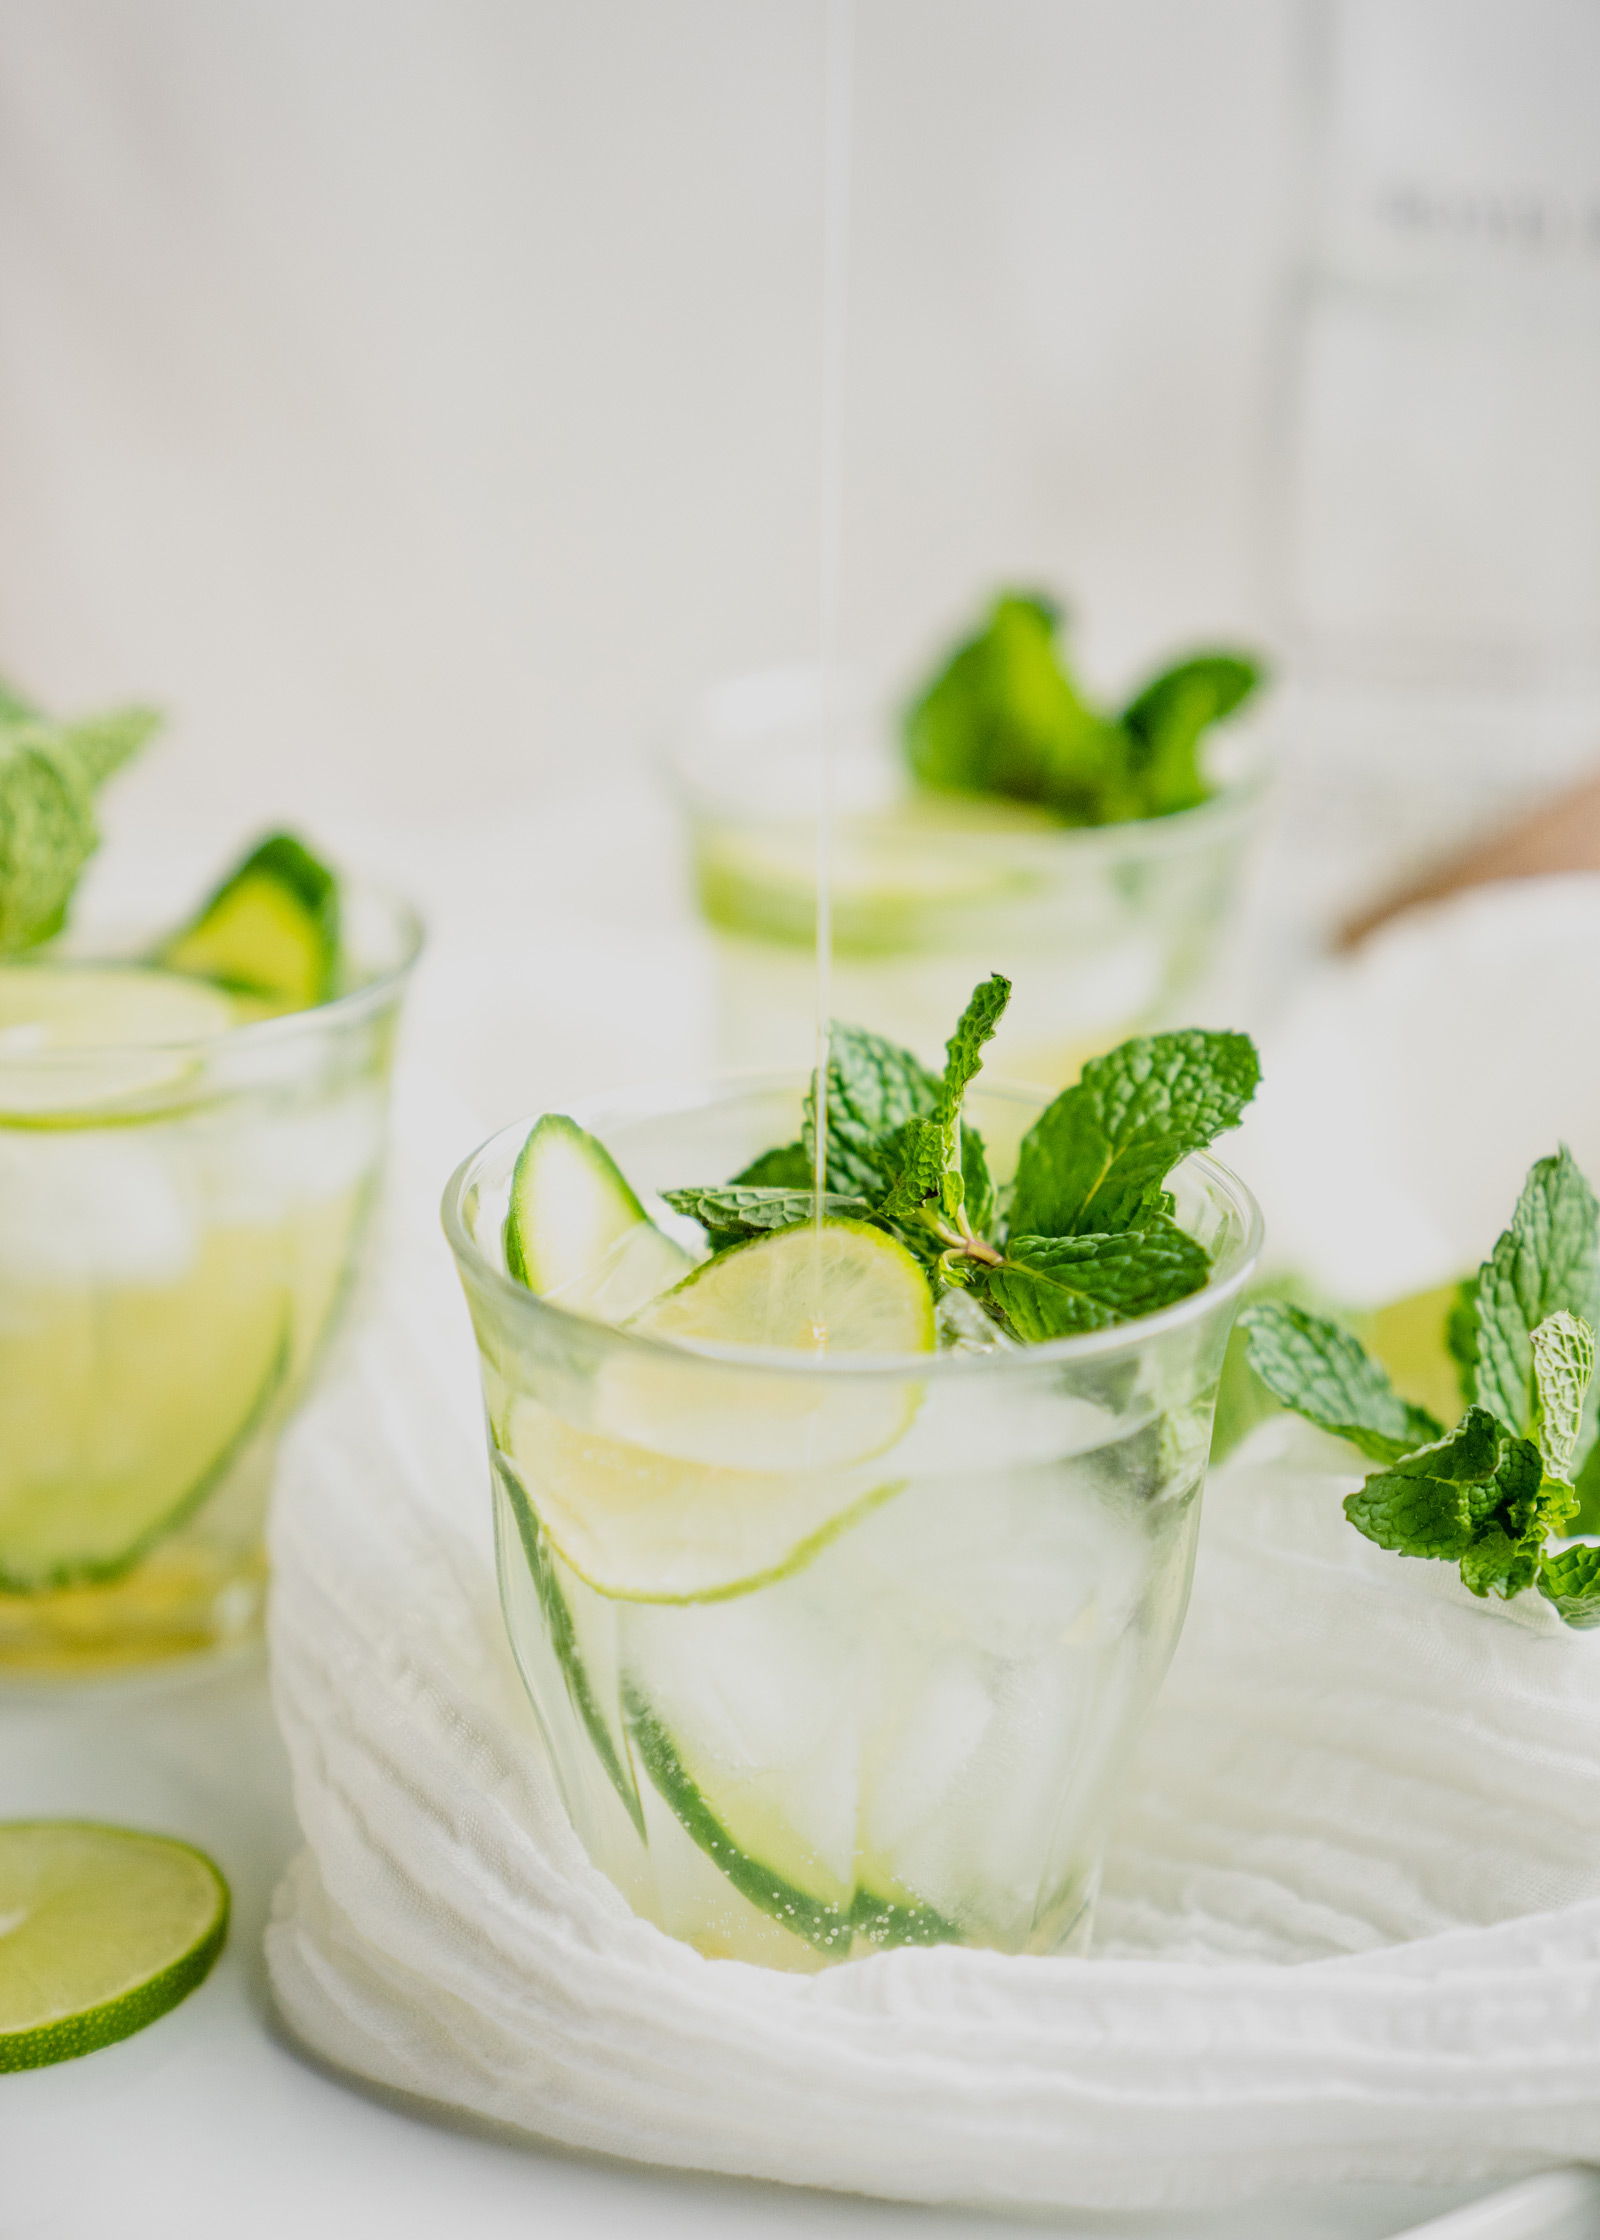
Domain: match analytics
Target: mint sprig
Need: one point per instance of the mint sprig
(930, 1186)
(49, 774)
(1090, 1240)
(1490, 1494)
(1004, 716)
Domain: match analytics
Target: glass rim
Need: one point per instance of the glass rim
(1232, 801)
(338, 1010)
(687, 1094)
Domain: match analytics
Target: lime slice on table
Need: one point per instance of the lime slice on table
(270, 931)
(575, 1232)
(84, 1044)
(102, 1930)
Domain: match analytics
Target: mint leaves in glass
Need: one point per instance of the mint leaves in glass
(840, 1575)
(998, 821)
(1006, 717)
(1493, 1491)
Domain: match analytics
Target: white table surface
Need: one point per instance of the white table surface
(212, 2121)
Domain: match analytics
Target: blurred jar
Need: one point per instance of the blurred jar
(1437, 501)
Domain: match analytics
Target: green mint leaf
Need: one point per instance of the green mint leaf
(1094, 1160)
(1499, 1565)
(1004, 717)
(1563, 1362)
(737, 1211)
(1421, 1505)
(874, 1088)
(976, 1026)
(1461, 1339)
(786, 1167)
(1054, 1287)
(1168, 718)
(1548, 1260)
(916, 1155)
(1328, 1376)
(927, 1155)
(48, 776)
(1511, 1519)
(977, 1182)
(1571, 1581)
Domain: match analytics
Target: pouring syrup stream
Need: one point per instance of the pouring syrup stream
(838, 74)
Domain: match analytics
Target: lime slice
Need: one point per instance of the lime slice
(845, 1287)
(101, 1931)
(78, 1043)
(639, 1526)
(852, 1290)
(576, 1233)
(907, 878)
(123, 1406)
(270, 931)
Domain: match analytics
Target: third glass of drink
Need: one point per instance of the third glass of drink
(843, 1547)
(1094, 857)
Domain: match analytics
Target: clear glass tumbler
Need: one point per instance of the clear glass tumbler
(1104, 930)
(178, 1225)
(838, 1652)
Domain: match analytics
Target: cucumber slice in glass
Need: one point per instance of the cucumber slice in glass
(576, 1233)
(270, 931)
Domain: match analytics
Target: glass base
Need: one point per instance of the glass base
(179, 1602)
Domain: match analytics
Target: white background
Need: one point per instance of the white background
(419, 397)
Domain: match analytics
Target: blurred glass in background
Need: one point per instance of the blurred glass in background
(1436, 508)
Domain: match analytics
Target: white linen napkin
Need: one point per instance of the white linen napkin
(1351, 1921)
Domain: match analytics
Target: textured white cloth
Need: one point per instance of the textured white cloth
(1351, 1920)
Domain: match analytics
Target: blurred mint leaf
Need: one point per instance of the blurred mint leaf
(1094, 1160)
(1328, 1376)
(49, 773)
(1053, 1287)
(787, 1167)
(1461, 1339)
(1003, 716)
(1168, 718)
